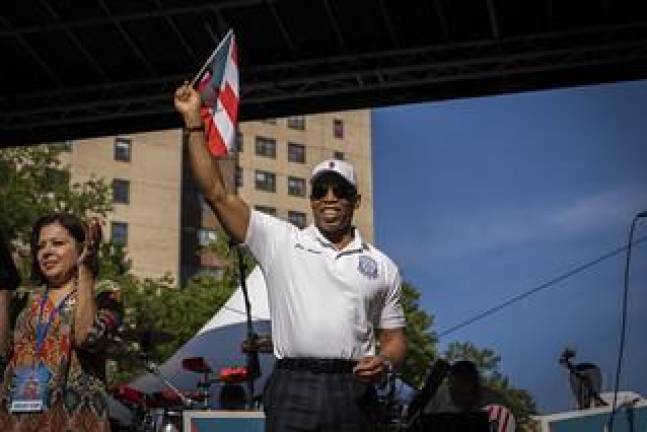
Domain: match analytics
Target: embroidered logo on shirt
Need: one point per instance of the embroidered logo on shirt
(367, 266)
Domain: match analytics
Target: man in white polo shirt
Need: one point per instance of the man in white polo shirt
(337, 321)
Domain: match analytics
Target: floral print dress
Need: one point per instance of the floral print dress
(77, 382)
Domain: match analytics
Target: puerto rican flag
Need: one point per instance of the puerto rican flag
(501, 418)
(220, 97)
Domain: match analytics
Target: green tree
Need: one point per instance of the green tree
(170, 316)
(33, 182)
(421, 340)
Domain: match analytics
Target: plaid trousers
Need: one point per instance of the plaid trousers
(302, 400)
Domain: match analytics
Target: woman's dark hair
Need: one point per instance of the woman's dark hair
(75, 226)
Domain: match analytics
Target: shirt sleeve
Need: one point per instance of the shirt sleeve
(106, 322)
(392, 316)
(265, 234)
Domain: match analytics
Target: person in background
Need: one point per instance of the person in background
(464, 392)
(54, 365)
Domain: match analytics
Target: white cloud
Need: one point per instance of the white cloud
(497, 228)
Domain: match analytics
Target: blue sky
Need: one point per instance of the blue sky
(481, 199)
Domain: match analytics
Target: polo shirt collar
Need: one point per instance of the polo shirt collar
(355, 245)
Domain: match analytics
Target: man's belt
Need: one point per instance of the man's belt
(325, 365)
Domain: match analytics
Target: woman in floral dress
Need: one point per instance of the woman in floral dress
(54, 371)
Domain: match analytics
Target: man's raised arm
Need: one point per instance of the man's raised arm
(232, 212)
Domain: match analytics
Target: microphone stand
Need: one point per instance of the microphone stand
(253, 363)
(153, 368)
(435, 377)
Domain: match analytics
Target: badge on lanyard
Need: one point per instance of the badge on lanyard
(30, 391)
(30, 387)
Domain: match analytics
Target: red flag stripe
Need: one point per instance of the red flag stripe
(229, 102)
(216, 143)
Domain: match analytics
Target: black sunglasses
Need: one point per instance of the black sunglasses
(340, 190)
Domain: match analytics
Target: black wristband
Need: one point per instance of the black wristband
(188, 130)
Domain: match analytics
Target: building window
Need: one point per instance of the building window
(119, 233)
(239, 141)
(296, 152)
(265, 209)
(338, 128)
(206, 236)
(296, 186)
(120, 191)
(122, 149)
(266, 147)
(297, 122)
(239, 176)
(338, 155)
(297, 218)
(265, 181)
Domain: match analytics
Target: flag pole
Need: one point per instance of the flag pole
(213, 54)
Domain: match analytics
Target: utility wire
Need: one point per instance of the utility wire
(537, 289)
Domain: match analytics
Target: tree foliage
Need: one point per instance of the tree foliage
(33, 182)
(421, 340)
(159, 318)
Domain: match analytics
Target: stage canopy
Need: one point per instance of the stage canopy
(88, 68)
(219, 341)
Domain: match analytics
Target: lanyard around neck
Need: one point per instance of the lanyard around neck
(43, 329)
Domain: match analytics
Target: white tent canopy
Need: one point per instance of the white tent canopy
(219, 341)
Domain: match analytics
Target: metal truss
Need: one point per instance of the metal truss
(361, 76)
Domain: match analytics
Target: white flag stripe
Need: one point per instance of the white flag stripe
(221, 114)
(224, 125)
(231, 76)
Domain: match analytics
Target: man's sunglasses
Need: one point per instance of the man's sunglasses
(340, 190)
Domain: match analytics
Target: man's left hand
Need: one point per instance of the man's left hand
(372, 369)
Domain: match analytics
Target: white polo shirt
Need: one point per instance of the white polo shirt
(324, 302)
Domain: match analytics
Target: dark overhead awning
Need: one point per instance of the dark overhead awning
(96, 67)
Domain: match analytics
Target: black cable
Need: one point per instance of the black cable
(623, 325)
(535, 290)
